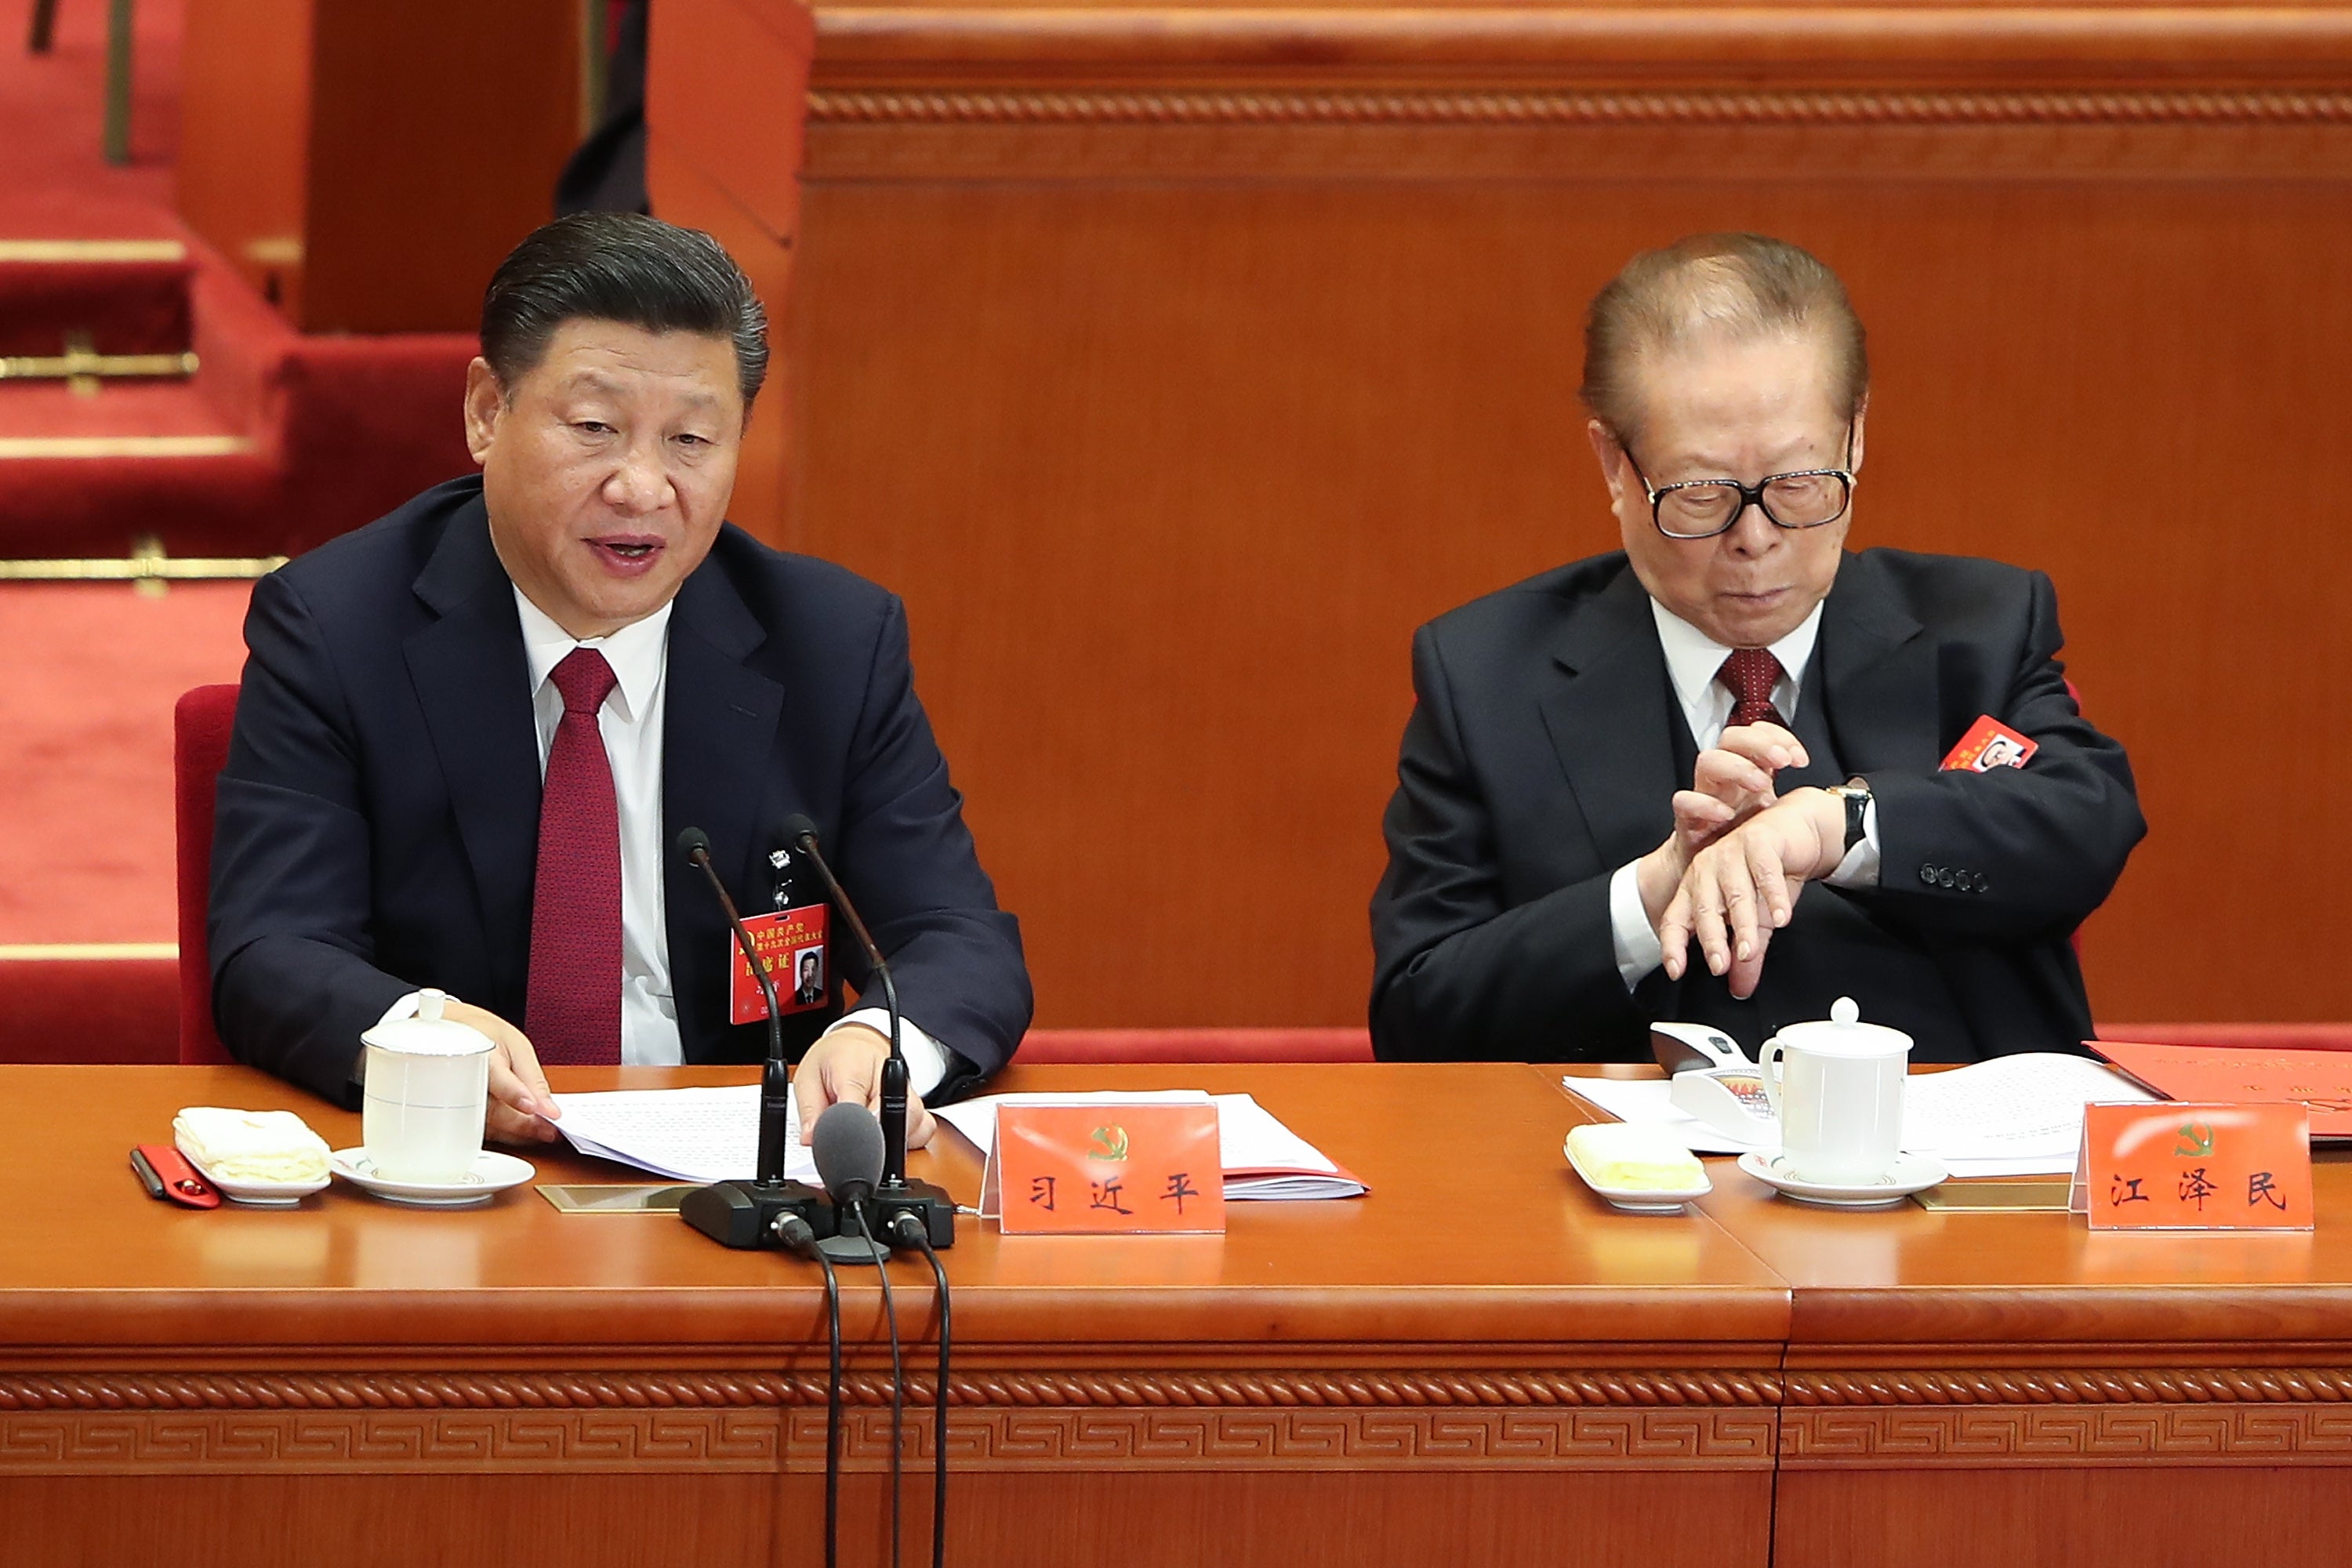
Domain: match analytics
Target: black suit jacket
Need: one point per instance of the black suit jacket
(378, 819)
(1544, 751)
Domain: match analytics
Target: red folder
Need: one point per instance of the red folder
(2321, 1079)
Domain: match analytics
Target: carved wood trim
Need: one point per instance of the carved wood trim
(637, 1423)
(2162, 1385)
(532, 1391)
(1243, 106)
(1228, 1438)
(1908, 1419)
(966, 132)
(1995, 1436)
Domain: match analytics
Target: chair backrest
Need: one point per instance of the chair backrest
(200, 730)
(1043, 1046)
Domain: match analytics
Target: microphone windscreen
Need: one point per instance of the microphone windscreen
(691, 839)
(797, 827)
(847, 1145)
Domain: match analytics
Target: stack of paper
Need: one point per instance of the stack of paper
(1262, 1157)
(2011, 1116)
(693, 1134)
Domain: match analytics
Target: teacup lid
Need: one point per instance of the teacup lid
(428, 1034)
(1844, 1034)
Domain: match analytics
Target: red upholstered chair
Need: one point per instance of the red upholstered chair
(200, 727)
(1046, 1046)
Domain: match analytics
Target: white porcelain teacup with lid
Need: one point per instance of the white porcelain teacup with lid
(1838, 1091)
(428, 1084)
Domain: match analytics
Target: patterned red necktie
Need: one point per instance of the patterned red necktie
(572, 1009)
(1751, 673)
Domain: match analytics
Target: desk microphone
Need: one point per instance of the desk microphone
(893, 1193)
(847, 1144)
(745, 1213)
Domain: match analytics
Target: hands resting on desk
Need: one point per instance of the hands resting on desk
(844, 1063)
(1739, 856)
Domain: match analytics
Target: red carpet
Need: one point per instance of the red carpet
(86, 767)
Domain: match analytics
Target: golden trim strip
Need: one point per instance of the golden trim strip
(143, 569)
(91, 250)
(81, 361)
(38, 951)
(125, 446)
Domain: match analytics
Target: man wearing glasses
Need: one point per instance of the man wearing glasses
(1621, 778)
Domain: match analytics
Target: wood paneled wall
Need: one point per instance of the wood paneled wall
(1174, 365)
(367, 164)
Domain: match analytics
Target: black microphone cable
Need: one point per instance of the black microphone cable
(898, 1376)
(797, 1235)
(906, 1230)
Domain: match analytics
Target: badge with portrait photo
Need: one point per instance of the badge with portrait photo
(1989, 745)
(791, 944)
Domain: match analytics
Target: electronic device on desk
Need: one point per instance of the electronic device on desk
(1715, 1081)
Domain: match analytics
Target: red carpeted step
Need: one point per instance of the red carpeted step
(108, 296)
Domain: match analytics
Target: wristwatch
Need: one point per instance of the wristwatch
(1855, 792)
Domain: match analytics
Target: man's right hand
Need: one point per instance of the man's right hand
(522, 1110)
(1731, 782)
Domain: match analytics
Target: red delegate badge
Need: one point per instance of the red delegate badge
(1989, 745)
(792, 942)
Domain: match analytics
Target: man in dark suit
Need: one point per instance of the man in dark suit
(1545, 876)
(470, 732)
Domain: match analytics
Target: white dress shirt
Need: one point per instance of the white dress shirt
(631, 724)
(1693, 660)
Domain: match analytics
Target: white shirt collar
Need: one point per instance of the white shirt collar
(636, 652)
(1693, 658)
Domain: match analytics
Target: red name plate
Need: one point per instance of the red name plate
(1989, 745)
(786, 941)
(2181, 1165)
(1069, 1170)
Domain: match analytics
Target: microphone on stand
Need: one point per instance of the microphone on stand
(745, 1213)
(848, 1145)
(893, 1193)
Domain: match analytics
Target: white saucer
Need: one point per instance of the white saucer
(493, 1172)
(1913, 1174)
(256, 1195)
(1641, 1200)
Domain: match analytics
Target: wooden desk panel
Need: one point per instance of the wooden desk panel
(1975, 1387)
(1371, 1382)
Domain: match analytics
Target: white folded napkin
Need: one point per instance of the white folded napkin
(251, 1145)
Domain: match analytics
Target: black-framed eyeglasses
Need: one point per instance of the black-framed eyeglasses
(1701, 509)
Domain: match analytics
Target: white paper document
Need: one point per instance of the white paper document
(693, 1134)
(1262, 1157)
(2011, 1116)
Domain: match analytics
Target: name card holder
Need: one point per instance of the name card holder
(1142, 1168)
(2184, 1165)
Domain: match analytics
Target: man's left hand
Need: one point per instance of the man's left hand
(1743, 887)
(846, 1064)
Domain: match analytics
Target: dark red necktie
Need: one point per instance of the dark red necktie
(573, 1010)
(1752, 673)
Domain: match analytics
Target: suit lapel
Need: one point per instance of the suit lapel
(1880, 692)
(473, 683)
(1609, 719)
(719, 763)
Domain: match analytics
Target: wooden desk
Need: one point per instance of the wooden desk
(1985, 1387)
(1390, 1380)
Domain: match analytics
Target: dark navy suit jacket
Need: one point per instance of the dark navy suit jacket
(378, 818)
(1544, 751)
